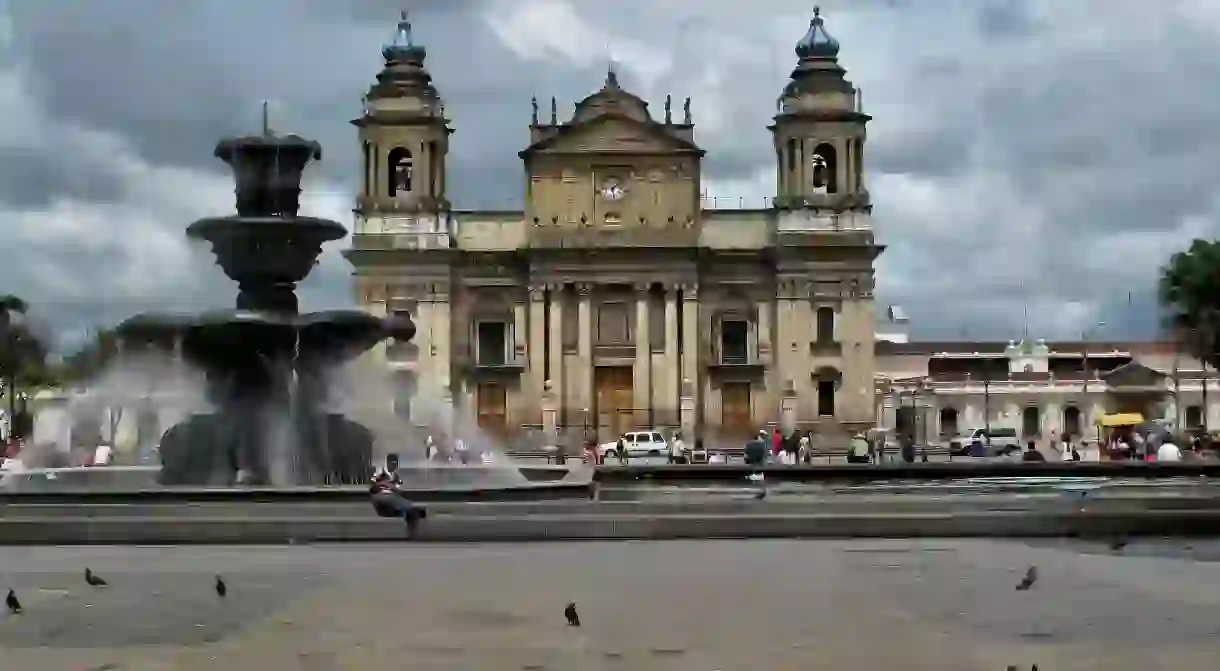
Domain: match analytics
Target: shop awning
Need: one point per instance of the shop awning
(1122, 419)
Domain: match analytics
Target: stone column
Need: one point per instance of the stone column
(787, 412)
(520, 345)
(550, 415)
(669, 371)
(641, 375)
(690, 345)
(766, 358)
(556, 374)
(536, 348)
(687, 410)
(441, 357)
(584, 347)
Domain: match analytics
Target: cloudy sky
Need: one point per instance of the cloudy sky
(1032, 156)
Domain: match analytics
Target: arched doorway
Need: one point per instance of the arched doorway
(1071, 422)
(948, 422)
(1031, 422)
(904, 421)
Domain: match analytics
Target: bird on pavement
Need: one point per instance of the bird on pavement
(94, 580)
(1031, 576)
(222, 589)
(571, 614)
(1118, 544)
(14, 606)
(762, 494)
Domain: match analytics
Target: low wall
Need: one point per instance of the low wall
(916, 471)
(492, 528)
(184, 495)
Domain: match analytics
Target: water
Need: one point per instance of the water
(126, 407)
(366, 391)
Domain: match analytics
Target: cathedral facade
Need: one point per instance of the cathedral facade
(613, 297)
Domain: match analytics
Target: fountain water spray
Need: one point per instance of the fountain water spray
(266, 364)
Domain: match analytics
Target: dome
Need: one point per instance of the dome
(817, 43)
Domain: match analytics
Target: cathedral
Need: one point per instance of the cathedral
(613, 297)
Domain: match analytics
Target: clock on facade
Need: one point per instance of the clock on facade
(612, 190)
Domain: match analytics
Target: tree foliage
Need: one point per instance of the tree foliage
(1190, 294)
(23, 353)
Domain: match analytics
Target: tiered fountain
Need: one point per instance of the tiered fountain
(266, 364)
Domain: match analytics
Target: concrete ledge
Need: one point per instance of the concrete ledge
(624, 527)
(917, 471)
(533, 491)
(873, 504)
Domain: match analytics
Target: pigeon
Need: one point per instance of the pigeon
(222, 589)
(94, 579)
(14, 606)
(1118, 544)
(573, 617)
(1028, 581)
(762, 494)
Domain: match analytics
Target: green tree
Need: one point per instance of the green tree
(23, 354)
(1190, 294)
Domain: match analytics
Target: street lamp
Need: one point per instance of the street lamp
(1085, 335)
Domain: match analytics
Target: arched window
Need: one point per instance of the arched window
(825, 161)
(401, 171)
(1072, 422)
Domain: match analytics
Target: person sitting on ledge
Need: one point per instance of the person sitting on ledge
(1032, 453)
(388, 501)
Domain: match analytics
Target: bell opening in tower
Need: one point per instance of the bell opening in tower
(825, 169)
(401, 169)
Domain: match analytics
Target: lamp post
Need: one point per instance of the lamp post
(1085, 335)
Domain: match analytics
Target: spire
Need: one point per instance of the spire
(403, 47)
(611, 76)
(817, 43)
(404, 74)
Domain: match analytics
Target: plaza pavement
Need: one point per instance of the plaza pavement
(697, 606)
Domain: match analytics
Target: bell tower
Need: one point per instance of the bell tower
(404, 138)
(819, 130)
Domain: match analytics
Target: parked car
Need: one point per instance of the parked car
(1003, 442)
(637, 444)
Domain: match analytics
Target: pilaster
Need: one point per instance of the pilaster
(536, 347)
(641, 375)
(690, 348)
(671, 365)
(584, 347)
(556, 372)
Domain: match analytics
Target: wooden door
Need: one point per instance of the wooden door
(735, 418)
(614, 401)
(492, 402)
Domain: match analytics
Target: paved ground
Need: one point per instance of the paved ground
(748, 605)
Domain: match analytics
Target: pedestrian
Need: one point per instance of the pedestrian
(621, 448)
(1032, 454)
(677, 449)
(857, 450)
(908, 448)
(802, 450)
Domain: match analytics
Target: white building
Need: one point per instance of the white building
(938, 390)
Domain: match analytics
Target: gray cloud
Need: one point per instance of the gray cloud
(1023, 153)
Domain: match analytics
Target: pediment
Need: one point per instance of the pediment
(613, 133)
